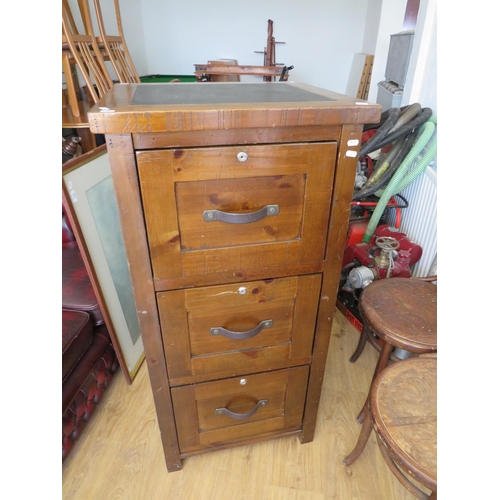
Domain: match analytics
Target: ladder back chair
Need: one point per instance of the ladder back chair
(85, 52)
(81, 50)
(115, 47)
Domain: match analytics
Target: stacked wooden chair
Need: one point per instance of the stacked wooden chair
(115, 47)
(89, 53)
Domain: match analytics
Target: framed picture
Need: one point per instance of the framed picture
(90, 204)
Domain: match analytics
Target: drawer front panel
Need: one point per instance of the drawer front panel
(235, 409)
(218, 198)
(222, 331)
(207, 212)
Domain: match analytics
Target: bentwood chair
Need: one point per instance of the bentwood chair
(403, 409)
(402, 312)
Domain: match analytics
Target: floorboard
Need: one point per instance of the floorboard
(119, 455)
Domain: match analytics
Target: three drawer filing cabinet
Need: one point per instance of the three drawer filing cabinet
(234, 201)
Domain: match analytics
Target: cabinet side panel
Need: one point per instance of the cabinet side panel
(123, 170)
(347, 158)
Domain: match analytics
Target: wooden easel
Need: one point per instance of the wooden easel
(270, 49)
(224, 70)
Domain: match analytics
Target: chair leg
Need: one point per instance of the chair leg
(70, 85)
(364, 415)
(364, 435)
(88, 141)
(417, 492)
(360, 347)
(382, 362)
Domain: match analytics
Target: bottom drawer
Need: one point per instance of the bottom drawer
(237, 409)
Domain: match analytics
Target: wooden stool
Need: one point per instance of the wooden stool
(368, 336)
(402, 312)
(403, 408)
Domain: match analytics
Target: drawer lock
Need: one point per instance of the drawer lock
(242, 156)
(219, 330)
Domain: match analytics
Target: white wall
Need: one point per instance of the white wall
(133, 30)
(372, 23)
(321, 36)
(390, 15)
(421, 78)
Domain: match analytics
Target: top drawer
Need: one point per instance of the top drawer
(235, 209)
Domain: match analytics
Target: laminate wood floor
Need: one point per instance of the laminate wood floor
(120, 457)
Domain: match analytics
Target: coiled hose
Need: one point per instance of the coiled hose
(381, 133)
(410, 120)
(383, 174)
(415, 123)
(400, 180)
(383, 118)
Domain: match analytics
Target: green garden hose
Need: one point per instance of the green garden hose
(400, 180)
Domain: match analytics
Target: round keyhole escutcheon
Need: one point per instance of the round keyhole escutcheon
(242, 156)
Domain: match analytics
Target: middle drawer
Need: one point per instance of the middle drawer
(228, 330)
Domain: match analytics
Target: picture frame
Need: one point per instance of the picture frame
(90, 205)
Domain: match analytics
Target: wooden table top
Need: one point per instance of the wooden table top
(69, 120)
(404, 409)
(171, 107)
(403, 312)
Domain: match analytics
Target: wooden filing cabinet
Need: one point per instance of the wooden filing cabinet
(234, 201)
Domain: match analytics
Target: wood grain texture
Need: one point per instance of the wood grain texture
(178, 185)
(120, 455)
(402, 312)
(283, 390)
(339, 216)
(127, 193)
(227, 137)
(194, 355)
(312, 183)
(336, 109)
(403, 403)
(210, 69)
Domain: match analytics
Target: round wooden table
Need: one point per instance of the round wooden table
(403, 408)
(402, 312)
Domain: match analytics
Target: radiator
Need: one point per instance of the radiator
(419, 220)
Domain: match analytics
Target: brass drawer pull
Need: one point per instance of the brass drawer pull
(242, 416)
(219, 330)
(230, 218)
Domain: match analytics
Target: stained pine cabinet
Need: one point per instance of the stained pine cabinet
(234, 201)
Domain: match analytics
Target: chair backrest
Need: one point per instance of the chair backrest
(85, 51)
(71, 19)
(115, 46)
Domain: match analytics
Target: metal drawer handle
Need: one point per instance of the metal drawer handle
(230, 218)
(219, 330)
(242, 416)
